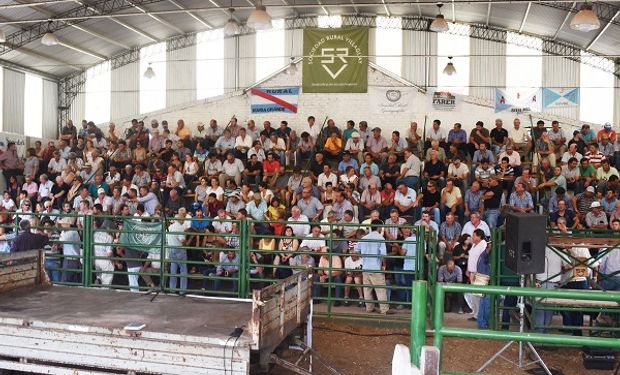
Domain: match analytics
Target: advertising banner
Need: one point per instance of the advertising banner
(391, 100)
(266, 100)
(335, 60)
(518, 100)
(445, 101)
(561, 98)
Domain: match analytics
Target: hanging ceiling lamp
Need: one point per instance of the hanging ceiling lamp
(49, 39)
(449, 69)
(585, 20)
(439, 24)
(291, 70)
(2, 36)
(259, 18)
(149, 72)
(232, 27)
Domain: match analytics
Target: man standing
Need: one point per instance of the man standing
(479, 247)
(372, 263)
(26, 240)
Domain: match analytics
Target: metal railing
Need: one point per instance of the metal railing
(439, 332)
(199, 265)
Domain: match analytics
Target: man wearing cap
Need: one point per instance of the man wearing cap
(377, 145)
(582, 203)
(608, 132)
(105, 201)
(355, 147)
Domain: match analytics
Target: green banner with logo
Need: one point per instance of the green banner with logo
(335, 60)
(141, 236)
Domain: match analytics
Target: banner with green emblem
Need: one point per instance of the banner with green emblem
(141, 236)
(335, 60)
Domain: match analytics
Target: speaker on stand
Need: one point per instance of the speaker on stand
(526, 239)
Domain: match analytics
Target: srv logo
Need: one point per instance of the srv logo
(329, 56)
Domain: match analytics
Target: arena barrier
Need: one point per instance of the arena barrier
(148, 262)
(439, 332)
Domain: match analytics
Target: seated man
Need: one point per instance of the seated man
(596, 218)
(329, 271)
(333, 146)
(449, 273)
(228, 267)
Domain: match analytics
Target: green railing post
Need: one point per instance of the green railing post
(418, 320)
(495, 247)
(243, 257)
(438, 319)
(162, 256)
(87, 248)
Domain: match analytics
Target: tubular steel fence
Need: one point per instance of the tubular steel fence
(231, 258)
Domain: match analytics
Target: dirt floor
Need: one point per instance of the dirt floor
(362, 350)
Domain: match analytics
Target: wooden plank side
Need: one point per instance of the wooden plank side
(11, 278)
(21, 255)
(137, 363)
(18, 268)
(47, 338)
(17, 284)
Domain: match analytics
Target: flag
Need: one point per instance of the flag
(518, 100)
(561, 98)
(283, 100)
(141, 236)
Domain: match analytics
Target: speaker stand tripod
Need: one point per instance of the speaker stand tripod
(522, 345)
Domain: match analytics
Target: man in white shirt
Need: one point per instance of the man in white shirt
(549, 279)
(178, 257)
(479, 246)
(327, 176)
(315, 240)
(410, 170)
(302, 229)
(405, 200)
(519, 138)
(232, 168)
(476, 223)
(45, 187)
(105, 201)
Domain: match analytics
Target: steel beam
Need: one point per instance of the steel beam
(600, 33)
(40, 9)
(37, 30)
(524, 19)
(136, 30)
(192, 14)
(82, 51)
(488, 14)
(156, 18)
(568, 15)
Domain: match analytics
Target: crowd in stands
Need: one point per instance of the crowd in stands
(325, 188)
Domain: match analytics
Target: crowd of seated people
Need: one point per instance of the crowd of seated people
(323, 188)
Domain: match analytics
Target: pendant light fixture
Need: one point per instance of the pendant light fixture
(49, 39)
(585, 20)
(449, 69)
(2, 36)
(259, 18)
(232, 27)
(439, 24)
(149, 72)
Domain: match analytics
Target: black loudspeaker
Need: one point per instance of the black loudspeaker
(526, 238)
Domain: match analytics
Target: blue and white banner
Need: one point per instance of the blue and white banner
(518, 100)
(283, 100)
(561, 98)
